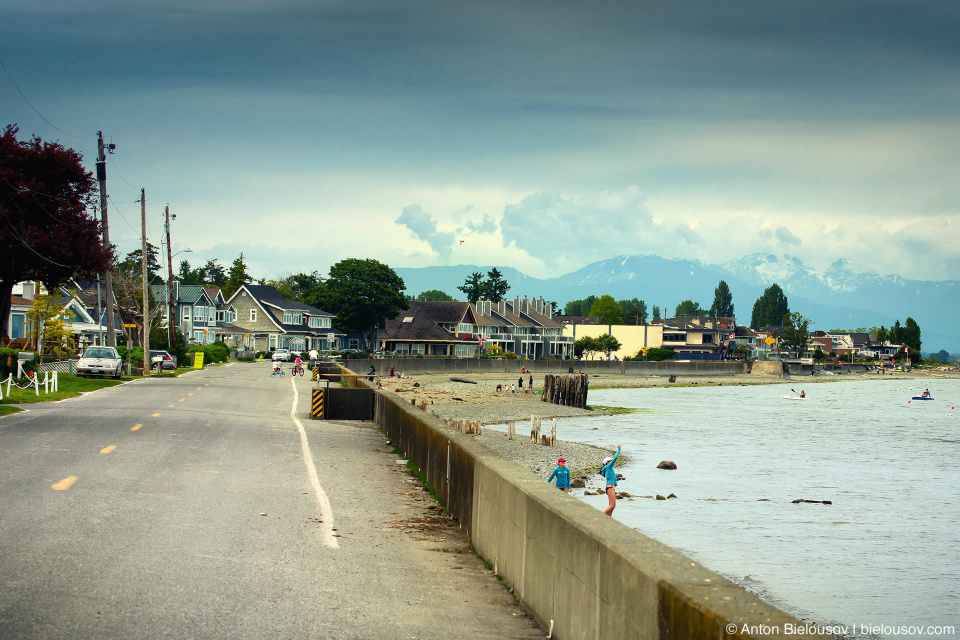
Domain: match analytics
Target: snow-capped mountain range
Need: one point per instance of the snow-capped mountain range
(840, 297)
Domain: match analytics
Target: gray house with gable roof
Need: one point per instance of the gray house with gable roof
(272, 322)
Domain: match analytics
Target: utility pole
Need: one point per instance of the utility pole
(146, 298)
(108, 276)
(171, 322)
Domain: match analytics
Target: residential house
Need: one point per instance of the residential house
(76, 311)
(272, 322)
(195, 311)
(697, 337)
(432, 329)
(461, 329)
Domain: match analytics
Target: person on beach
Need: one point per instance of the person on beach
(611, 479)
(499, 388)
(531, 382)
(562, 474)
(520, 382)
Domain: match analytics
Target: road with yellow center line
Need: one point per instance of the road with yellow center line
(229, 514)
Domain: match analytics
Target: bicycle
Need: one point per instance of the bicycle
(278, 372)
(298, 370)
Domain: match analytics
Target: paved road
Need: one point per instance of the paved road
(209, 506)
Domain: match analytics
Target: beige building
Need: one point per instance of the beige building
(631, 337)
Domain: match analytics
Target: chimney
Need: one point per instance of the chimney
(29, 290)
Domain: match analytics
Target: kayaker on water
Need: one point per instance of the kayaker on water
(803, 394)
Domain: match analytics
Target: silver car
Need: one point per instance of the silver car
(100, 362)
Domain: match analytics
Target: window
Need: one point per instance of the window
(674, 337)
(186, 314)
(464, 350)
(253, 315)
(16, 327)
(221, 316)
(198, 314)
(355, 343)
(288, 317)
(416, 349)
(403, 348)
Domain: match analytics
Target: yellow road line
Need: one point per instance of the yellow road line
(170, 406)
(189, 394)
(199, 388)
(135, 427)
(108, 449)
(64, 484)
(181, 399)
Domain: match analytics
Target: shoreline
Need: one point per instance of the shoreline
(479, 400)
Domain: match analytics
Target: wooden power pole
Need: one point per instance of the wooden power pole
(108, 276)
(171, 322)
(146, 297)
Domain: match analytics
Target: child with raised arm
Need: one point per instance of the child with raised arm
(611, 481)
(562, 474)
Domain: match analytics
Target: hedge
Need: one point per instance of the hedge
(11, 355)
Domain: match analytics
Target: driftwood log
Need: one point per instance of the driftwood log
(569, 391)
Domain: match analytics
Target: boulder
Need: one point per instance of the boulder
(660, 497)
(578, 483)
(670, 465)
(672, 495)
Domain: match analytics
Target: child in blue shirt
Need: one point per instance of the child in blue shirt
(562, 475)
(611, 479)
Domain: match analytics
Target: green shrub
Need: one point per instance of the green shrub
(656, 354)
(124, 353)
(10, 355)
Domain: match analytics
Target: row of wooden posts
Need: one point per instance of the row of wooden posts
(569, 391)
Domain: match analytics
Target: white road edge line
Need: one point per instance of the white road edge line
(326, 511)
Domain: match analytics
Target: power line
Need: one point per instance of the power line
(35, 109)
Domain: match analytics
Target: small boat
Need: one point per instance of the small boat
(923, 397)
(793, 397)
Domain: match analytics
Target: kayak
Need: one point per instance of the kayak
(923, 397)
(792, 398)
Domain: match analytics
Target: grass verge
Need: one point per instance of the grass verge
(69, 387)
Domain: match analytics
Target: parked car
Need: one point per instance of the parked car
(162, 358)
(100, 361)
(282, 354)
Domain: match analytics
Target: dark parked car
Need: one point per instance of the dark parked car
(100, 361)
(163, 359)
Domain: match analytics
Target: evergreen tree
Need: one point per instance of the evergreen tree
(237, 277)
(188, 275)
(133, 262)
(722, 301)
(656, 312)
(473, 287)
(213, 273)
(911, 334)
(495, 288)
(770, 308)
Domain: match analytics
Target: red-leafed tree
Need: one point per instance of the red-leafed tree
(47, 232)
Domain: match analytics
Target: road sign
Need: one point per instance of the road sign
(130, 326)
(769, 340)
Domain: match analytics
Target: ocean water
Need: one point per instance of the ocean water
(885, 555)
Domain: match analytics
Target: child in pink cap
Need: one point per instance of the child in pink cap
(562, 474)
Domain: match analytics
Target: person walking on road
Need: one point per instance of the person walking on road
(562, 474)
(611, 481)
(313, 357)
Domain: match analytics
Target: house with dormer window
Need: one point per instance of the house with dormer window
(271, 322)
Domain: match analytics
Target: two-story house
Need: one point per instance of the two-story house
(272, 322)
(465, 330)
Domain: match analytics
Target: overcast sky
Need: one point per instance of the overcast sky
(538, 135)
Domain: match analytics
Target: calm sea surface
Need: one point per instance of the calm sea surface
(887, 552)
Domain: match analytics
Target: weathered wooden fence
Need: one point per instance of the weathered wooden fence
(570, 391)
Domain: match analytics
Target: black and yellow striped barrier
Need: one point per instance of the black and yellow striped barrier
(316, 372)
(317, 405)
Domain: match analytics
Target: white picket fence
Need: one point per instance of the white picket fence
(49, 383)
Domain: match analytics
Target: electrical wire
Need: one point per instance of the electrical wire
(35, 109)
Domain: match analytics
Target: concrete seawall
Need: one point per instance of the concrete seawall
(579, 572)
(415, 366)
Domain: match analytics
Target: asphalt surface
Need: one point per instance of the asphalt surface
(210, 506)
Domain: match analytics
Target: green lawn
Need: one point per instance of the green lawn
(69, 386)
(8, 410)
